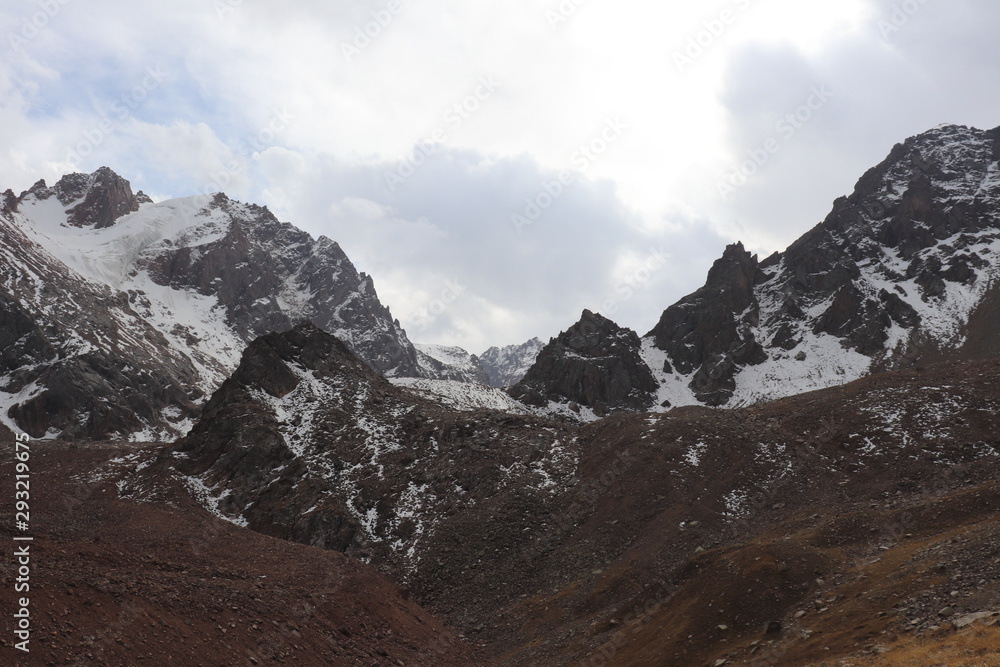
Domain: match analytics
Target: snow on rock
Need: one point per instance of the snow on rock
(461, 395)
(161, 299)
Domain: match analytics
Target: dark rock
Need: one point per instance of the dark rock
(594, 363)
(710, 332)
(901, 312)
(106, 197)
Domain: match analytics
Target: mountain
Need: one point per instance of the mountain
(496, 367)
(810, 528)
(902, 271)
(595, 363)
(442, 362)
(505, 366)
(121, 315)
(305, 442)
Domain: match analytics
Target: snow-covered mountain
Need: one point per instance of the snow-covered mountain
(902, 271)
(443, 362)
(121, 315)
(496, 367)
(505, 366)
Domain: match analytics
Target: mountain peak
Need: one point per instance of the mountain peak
(103, 197)
(594, 363)
(144, 313)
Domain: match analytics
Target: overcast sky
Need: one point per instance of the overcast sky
(498, 166)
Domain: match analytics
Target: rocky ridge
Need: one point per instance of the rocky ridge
(442, 362)
(121, 315)
(506, 366)
(305, 442)
(595, 363)
(903, 270)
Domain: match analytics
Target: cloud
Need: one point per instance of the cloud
(451, 260)
(896, 75)
(307, 107)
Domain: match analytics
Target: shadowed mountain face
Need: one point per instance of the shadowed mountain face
(904, 269)
(122, 314)
(306, 442)
(635, 536)
(594, 363)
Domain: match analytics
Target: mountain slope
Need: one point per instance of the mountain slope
(121, 314)
(633, 538)
(904, 269)
(307, 443)
(127, 569)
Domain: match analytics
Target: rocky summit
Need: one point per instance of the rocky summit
(904, 270)
(594, 363)
(122, 315)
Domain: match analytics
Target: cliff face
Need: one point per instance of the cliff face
(905, 270)
(711, 331)
(121, 315)
(594, 363)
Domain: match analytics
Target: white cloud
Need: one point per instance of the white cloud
(260, 100)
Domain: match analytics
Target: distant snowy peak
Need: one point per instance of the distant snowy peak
(903, 270)
(159, 299)
(497, 367)
(506, 366)
(441, 362)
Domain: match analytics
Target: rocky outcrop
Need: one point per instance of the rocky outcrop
(98, 199)
(711, 332)
(306, 442)
(240, 445)
(594, 363)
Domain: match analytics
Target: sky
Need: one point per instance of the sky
(498, 167)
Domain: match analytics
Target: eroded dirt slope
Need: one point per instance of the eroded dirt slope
(163, 582)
